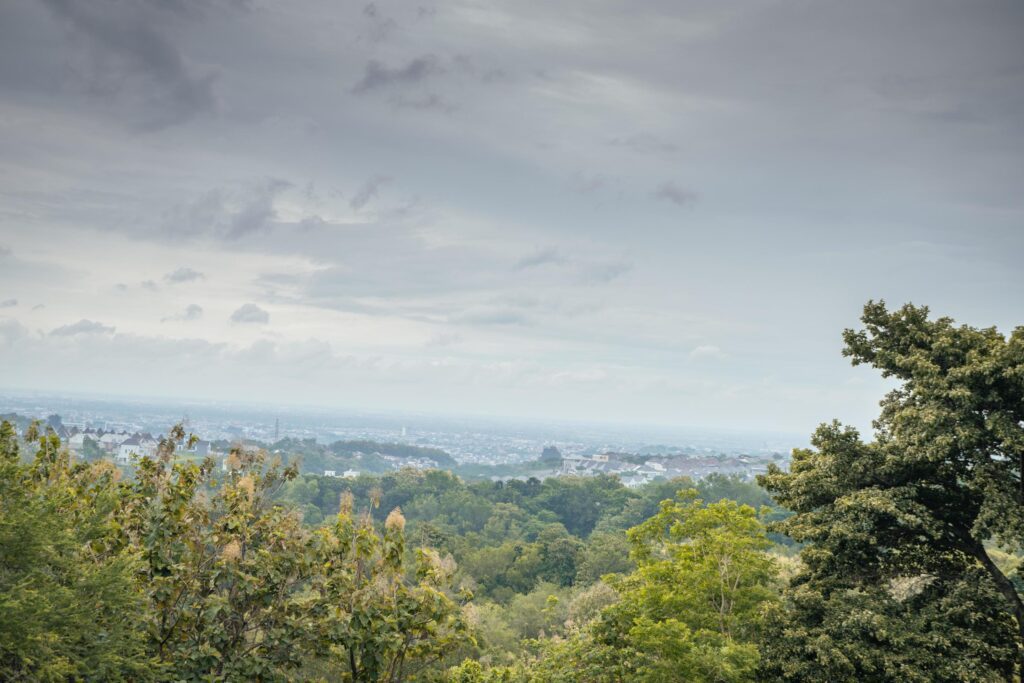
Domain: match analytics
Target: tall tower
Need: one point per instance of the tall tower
(277, 428)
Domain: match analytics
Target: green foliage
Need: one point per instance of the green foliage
(916, 631)
(579, 503)
(909, 567)
(91, 450)
(362, 455)
(225, 570)
(691, 611)
(716, 487)
(914, 507)
(471, 672)
(68, 608)
(377, 624)
(606, 552)
(182, 574)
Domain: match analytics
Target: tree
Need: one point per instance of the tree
(897, 527)
(181, 573)
(69, 609)
(580, 502)
(551, 455)
(606, 552)
(559, 553)
(378, 625)
(91, 450)
(225, 570)
(692, 609)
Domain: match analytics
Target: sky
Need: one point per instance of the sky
(649, 212)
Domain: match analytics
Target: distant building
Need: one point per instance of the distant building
(350, 474)
(135, 446)
(128, 449)
(77, 441)
(330, 473)
(111, 441)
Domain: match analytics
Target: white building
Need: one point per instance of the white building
(136, 446)
(131, 448)
(110, 441)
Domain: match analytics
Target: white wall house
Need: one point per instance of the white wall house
(135, 447)
(111, 441)
(127, 450)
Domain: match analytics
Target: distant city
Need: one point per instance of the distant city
(637, 454)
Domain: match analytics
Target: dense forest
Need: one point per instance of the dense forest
(890, 559)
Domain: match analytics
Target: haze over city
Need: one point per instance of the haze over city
(659, 213)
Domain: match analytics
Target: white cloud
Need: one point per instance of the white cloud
(706, 351)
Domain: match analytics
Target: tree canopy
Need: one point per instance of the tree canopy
(897, 574)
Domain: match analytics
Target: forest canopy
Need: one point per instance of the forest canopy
(889, 559)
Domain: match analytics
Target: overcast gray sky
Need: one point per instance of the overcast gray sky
(640, 211)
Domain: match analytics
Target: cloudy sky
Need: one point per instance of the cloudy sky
(654, 211)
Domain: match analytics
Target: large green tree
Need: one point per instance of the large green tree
(691, 611)
(69, 609)
(378, 624)
(186, 573)
(225, 570)
(897, 581)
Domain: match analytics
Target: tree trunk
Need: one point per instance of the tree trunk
(1005, 586)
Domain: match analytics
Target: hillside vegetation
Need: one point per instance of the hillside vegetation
(893, 559)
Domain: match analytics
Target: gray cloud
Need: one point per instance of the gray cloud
(468, 65)
(228, 215)
(490, 316)
(257, 214)
(183, 274)
(605, 272)
(428, 101)
(680, 196)
(368, 190)
(191, 312)
(11, 331)
(644, 143)
(83, 326)
(378, 76)
(250, 313)
(8, 303)
(380, 26)
(126, 57)
(149, 285)
(587, 183)
(551, 98)
(541, 257)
